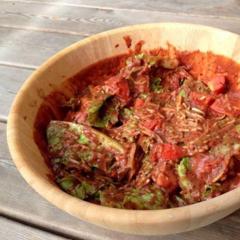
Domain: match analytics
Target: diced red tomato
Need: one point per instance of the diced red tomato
(217, 84)
(139, 103)
(209, 168)
(228, 104)
(152, 124)
(164, 176)
(200, 100)
(166, 152)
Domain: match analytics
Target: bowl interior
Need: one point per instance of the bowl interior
(67, 63)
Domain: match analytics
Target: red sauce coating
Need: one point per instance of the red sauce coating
(183, 172)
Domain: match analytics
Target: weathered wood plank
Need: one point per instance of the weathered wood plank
(35, 210)
(21, 52)
(35, 44)
(205, 7)
(31, 47)
(4, 153)
(85, 20)
(14, 230)
(24, 50)
(11, 78)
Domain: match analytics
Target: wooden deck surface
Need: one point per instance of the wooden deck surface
(33, 30)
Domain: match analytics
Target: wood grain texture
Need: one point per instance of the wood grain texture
(14, 230)
(35, 210)
(27, 24)
(11, 78)
(204, 7)
(89, 20)
(31, 47)
(29, 160)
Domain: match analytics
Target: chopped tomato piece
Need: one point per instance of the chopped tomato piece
(200, 100)
(152, 124)
(217, 84)
(164, 176)
(166, 152)
(209, 168)
(228, 104)
(139, 103)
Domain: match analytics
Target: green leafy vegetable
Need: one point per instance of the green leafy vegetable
(140, 56)
(237, 127)
(93, 112)
(54, 135)
(127, 112)
(83, 139)
(78, 130)
(84, 190)
(106, 114)
(156, 86)
(182, 93)
(66, 183)
(209, 190)
(86, 155)
(151, 198)
(182, 169)
(143, 95)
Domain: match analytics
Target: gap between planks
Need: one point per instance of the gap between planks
(18, 65)
(123, 9)
(3, 119)
(39, 29)
(54, 233)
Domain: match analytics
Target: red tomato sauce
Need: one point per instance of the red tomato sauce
(146, 130)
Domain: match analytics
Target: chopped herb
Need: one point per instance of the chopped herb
(143, 95)
(182, 93)
(83, 139)
(156, 85)
(151, 63)
(127, 112)
(54, 135)
(183, 166)
(66, 183)
(152, 199)
(93, 112)
(238, 128)
(210, 189)
(182, 169)
(85, 155)
(84, 190)
(105, 115)
(140, 56)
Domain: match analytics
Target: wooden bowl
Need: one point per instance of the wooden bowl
(70, 61)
